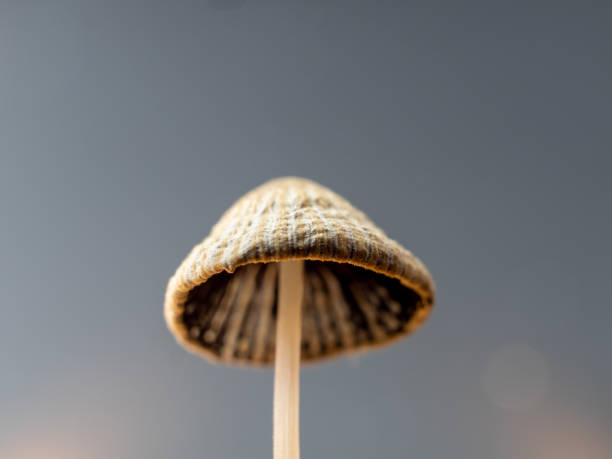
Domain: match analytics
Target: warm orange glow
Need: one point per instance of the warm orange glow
(44, 448)
(559, 434)
(64, 439)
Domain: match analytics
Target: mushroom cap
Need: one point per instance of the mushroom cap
(361, 288)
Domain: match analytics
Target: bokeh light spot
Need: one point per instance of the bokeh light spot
(516, 377)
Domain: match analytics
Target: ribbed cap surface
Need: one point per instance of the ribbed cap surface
(362, 289)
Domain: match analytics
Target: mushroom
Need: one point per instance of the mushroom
(293, 273)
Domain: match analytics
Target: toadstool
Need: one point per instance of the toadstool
(293, 273)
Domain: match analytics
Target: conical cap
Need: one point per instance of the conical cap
(362, 289)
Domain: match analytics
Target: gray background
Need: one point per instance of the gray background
(477, 136)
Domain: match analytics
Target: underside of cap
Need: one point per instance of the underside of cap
(362, 289)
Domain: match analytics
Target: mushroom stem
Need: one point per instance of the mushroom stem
(287, 360)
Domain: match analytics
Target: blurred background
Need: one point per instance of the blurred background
(477, 136)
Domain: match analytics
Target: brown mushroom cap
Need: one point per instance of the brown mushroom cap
(361, 288)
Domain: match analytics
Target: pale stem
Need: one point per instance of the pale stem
(287, 360)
